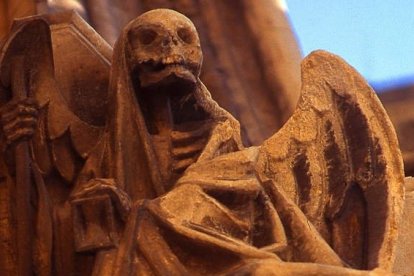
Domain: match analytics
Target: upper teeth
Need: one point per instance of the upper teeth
(171, 60)
(168, 60)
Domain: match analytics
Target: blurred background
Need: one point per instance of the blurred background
(374, 36)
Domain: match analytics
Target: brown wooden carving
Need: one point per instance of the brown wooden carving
(165, 186)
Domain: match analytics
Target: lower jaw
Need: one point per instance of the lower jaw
(167, 77)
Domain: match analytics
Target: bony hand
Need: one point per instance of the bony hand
(18, 119)
(106, 186)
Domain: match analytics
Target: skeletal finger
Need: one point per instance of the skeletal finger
(20, 134)
(17, 112)
(20, 122)
(19, 105)
(27, 109)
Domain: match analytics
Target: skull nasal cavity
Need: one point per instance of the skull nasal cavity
(168, 40)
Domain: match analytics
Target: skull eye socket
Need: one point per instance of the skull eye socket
(186, 35)
(146, 36)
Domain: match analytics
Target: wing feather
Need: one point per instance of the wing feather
(338, 158)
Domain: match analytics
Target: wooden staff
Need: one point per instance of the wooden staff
(23, 178)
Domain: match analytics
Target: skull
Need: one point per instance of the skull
(164, 46)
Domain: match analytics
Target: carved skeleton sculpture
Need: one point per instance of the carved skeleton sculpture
(168, 116)
(162, 119)
(166, 60)
(167, 136)
(201, 203)
(237, 213)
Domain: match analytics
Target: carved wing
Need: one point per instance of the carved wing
(71, 88)
(338, 158)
